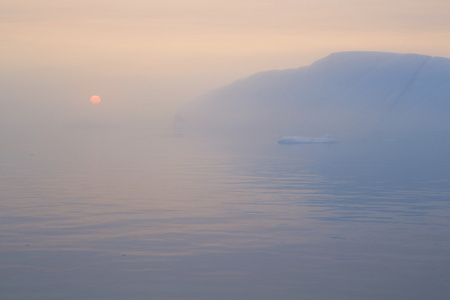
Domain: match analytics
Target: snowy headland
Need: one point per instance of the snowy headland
(343, 92)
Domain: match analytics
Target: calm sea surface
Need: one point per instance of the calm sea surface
(125, 214)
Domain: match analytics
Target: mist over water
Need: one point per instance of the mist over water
(140, 198)
(127, 213)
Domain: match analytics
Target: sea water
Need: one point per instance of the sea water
(107, 213)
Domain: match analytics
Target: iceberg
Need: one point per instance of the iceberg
(306, 140)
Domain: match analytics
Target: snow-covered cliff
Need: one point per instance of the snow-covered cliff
(343, 92)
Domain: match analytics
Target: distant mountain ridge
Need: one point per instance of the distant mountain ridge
(343, 92)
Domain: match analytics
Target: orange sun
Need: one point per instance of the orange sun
(95, 99)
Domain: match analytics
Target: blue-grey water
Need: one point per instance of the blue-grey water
(127, 214)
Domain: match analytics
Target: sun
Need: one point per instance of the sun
(95, 99)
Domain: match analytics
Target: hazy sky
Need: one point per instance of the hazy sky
(144, 56)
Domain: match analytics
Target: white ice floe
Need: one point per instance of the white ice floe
(306, 140)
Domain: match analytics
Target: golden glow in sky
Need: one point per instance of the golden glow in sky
(160, 53)
(181, 36)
